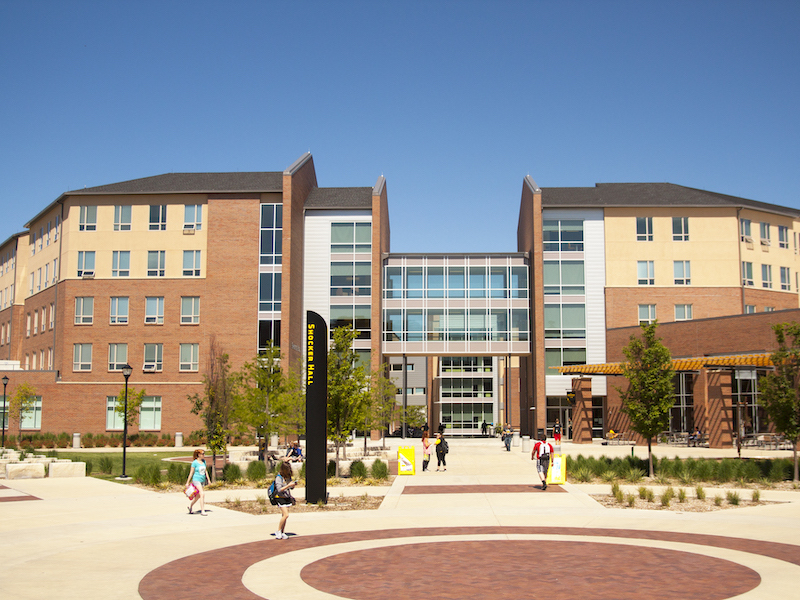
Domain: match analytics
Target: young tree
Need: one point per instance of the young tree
(267, 398)
(21, 402)
(215, 404)
(382, 401)
(135, 399)
(780, 390)
(348, 389)
(649, 397)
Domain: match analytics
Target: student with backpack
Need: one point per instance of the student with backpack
(281, 495)
(441, 450)
(541, 453)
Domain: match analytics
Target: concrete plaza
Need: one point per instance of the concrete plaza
(481, 529)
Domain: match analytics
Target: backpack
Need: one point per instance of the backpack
(271, 492)
(445, 447)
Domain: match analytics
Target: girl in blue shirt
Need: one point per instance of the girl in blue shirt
(197, 476)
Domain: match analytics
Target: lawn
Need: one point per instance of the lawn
(102, 460)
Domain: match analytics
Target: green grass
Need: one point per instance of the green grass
(133, 461)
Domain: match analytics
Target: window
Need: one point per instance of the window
(114, 419)
(86, 263)
(190, 357)
(150, 413)
(786, 281)
(81, 357)
(269, 292)
(749, 309)
(36, 322)
(154, 310)
(122, 218)
(646, 272)
(765, 241)
(32, 419)
(33, 282)
(644, 229)
(769, 308)
(46, 275)
(191, 263)
(155, 263)
(766, 276)
(33, 243)
(683, 274)
(683, 312)
(271, 234)
(680, 229)
(4, 412)
(117, 356)
(564, 321)
(52, 315)
(84, 310)
(153, 357)
(744, 230)
(88, 218)
(351, 278)
(358, 317)
(564, 278)
(783, 236)
(47, 235)
(55, 270)
(28, 327)
(158, 217)
(193, 217)
(563, 357)
(57, 227)
(190, 310)
(119, 310)
(647, 313)
(747, 273)
(351, 237)
(562, 235)
(121, 263)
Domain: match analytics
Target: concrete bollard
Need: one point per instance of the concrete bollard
(179, 439)
(515, 439)
(526, 443)
(76, 441)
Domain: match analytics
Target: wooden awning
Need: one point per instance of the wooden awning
(678, 364)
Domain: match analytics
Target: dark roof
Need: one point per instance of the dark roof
(328, 198)
(192, 183)
(650, 194)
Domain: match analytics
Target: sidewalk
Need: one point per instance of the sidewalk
(87, 538)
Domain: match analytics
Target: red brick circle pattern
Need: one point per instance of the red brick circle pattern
(178, 580)
(514, 569)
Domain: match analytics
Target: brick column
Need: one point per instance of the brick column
(720, 409)
(582, 411)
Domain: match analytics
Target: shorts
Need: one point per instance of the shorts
(543, 464)
(280, 501)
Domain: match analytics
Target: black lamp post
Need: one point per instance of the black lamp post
(5, 409)
(126, 371)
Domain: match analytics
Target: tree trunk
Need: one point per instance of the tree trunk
(794, 452)
(337, 458)
(650, 454)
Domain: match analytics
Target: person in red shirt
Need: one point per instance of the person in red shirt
(542, 451)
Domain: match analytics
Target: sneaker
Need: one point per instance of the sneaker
(278, 535)
(284, 536)
(544, 485)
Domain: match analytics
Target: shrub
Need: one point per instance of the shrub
(302, 474)
(717, 500)
(379, 470)
(583, 474)
(726, 470)
(358, 470)
(634, 474)
(750, 471)
(631, 500)
(615, 488)
(608, 476)
(89, 466)
(231, 472)
(178, 472)
(681, 495)
(665, 499)
(148, 475)
(777, 471)
(733, 498)
(106, 464)
(256, 470)
(700, 492)
(642, 492)
(651, 495)
(63, 440)
(756, 496)
(331, 468)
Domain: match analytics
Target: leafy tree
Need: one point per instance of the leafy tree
(22, 401)
(135, 399)
(416, 416)
(269, 399)
(348, 389)
(382, 401)
(780, 390)
(649, 397)
(215, 403)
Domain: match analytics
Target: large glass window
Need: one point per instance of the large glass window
(351, 278)
(156, 263)
(682, 271)
(565, 321)
(269, 292)
(88, 218)
(647, 313)
(393, 282)
(562, 357)
(158, 217)
(121, 263)
(786, 281)
(748, 415)
(456, 282)
(150, 413)
(81, 357)
(681, 417)
(414, 282)
(783, 236)
(747, 273)
(86, 263)
(358, 317)
(122, 218)
(118, 314)
(191, 263)
(683, 312)
(564, 278)
(32, 418)
(766, 276)
(744, 230)
(189, 357)
(114, 419)
(680, 229)
(153, 357)
(466, 417)
(84, 310)
(271, 234)
(351, 237)
(477, 282)
(644, 229)
(193, 217)
(190, 310)
(563, 235)
(269, 331)
(645, 270)
(117, 356)
(154, 310)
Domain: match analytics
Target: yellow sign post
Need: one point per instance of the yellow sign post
(558, 470)
(405, 460)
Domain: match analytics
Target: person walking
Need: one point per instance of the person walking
(557, 432)
(198, 477)
(428, 446)
(484, 428)
(441, 450)
(283, 495)
(508, 435)
(541, 453)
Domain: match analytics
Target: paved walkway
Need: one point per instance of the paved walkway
(483, 530)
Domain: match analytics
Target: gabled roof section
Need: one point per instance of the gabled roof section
(332, 198)
(182, 183)
(651, 194)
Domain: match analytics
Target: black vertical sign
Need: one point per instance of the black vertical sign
(316, 408)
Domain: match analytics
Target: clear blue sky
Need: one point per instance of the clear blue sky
(454, 102)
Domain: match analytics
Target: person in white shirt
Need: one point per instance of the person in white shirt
(541, 453)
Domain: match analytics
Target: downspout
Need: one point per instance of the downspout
(57, 286)
(741, 265)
